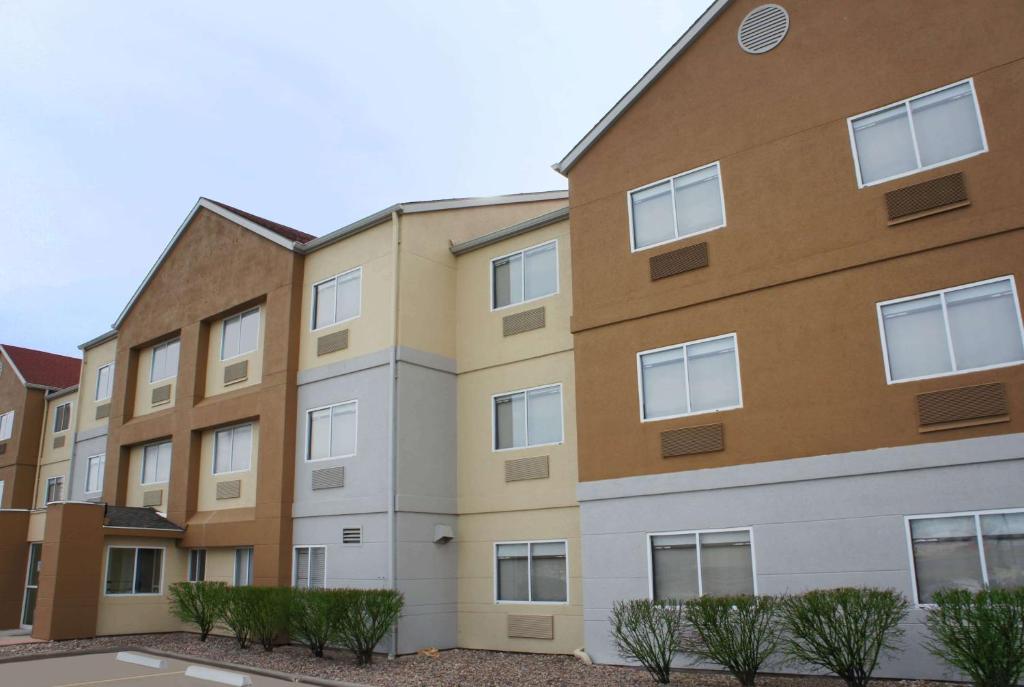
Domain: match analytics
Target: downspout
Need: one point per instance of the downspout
(396, 243)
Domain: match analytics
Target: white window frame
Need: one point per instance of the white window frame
(135, 566)
(250, 566)
(949, 336)
(99, 376)
(142, 467)
(239, 316)
(58, 480)
(640, 377)
(313, 300)
(2, 484)
(558, 280)
(194, 554)
(913, 134)
(700, 575)
(309, 432)
(231, 431)
(295, 561)
(152, 360)
(675, 224)
(56, 417)
(8, 419)
(526, 416)
(529, 573)
(102, 459)
(976, 514)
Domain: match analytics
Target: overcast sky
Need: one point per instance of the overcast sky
(116, 116)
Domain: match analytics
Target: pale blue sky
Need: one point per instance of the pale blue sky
(116, 116)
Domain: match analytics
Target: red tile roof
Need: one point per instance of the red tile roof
(287, 232)
(45, 369)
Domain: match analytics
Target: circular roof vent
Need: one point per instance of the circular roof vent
(763, 28)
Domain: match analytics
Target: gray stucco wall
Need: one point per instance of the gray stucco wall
(818, 522)
(90, 443)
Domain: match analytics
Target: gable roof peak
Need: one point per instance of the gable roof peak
(39, 369)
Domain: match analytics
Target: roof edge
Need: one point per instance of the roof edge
(508, 232)
(60, 393)
(21, 377)
(101, 339)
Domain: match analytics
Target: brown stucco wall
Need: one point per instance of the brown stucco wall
(19, 460)
(805, 254)
(13, 562)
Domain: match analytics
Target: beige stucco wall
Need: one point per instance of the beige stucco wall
(118, 615)
(36, 526)
(135, 486)
(215, 366)
(144, 389)
(92, 360)
(51, 469)
(207, 500)
(55, 461)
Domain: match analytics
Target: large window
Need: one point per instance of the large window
(310, 567)
(94, 474)
(531, 417)
(686, 379)
(967, 551)
(684, 205)
(232, 449)
(240, 334)
(919, 133)
(964, 328)
(134, 571)
(54, 489)
(62, 417)
(6, 425)
(525, 275)
(531, 572)
(197, 565)
(156, 463)
(165, 361)
(331, 431)
(243, 567)
(105, 382)
(337, 299)
(684, 565)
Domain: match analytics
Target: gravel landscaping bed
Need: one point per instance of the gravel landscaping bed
(454, 668)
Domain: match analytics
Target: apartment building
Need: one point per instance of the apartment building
(797, 247)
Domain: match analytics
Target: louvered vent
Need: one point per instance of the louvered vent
(58, 442)
(525, 321)
(232, 489)
(965, 403)
(332, 343)
(763, 29)
(926, 198)
(103, 411)
(534, 467)
(236, 372)
(161, 394)
(678, 261)
(531, 626)
(153, 498)
(352, 535)
(329, 478)
(692, 440)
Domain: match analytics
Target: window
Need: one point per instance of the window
(54, 489)
(532, 417)
(686, 204)
(197, 565)
(132, 571)
(232, 449)
(684, 565)
(531, 572)
(94, 474)
(932, 129)
(964, 328)
(105, 382)
(243, 567)
(156, 463)
(62, 417)
(691, 378)
(1, 493)
(310, 567)
(240, 334)
(337, 299)
(165, 361)
(6, 425)
(331, 431)
(967, 551)
(525, 275)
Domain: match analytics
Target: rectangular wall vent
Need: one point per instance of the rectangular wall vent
(153, 498)
(690, 441)
(329, 478)
(926, 198)
(531, 626)
(332, 343)
(103, 411)
(236, 372)
(983, 401)
(161, 394)
(525, 321)
(352, 535)
(230, 489)
(534, 467)
(58, 442)
(679, 261)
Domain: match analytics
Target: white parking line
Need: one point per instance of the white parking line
(118, 679)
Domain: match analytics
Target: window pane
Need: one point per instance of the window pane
(325, 304)
(544, 410)
(317, 567)
(343, 434)
(915, 338)
(222, 451)
(243, 567)
(250, 332)
(652, 215)
(301, 568)
(945, 555)
(164, 466)
(946, 124)
(884, 144)
(664, 383)
(513, 584)
(241, 448)
(158, 366)
(549, 583)
(1003, 538)
(320, 434)
(149, 461)
(348, 295)
(675, 566)
(712, 375)
(120, 567)
(725, 563)
(6, 425)
(541, 271)
(147, 571)
(231, 332)
(984, 326)
(171, 366)
(510, 421)
(698, 201)
(104, 382)
(508, 280)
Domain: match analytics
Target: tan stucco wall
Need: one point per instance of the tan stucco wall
(36, 525)
(92, 360)
(215, 366)
(144, 388)
(56, 461)
(118, 615)
(208, 481)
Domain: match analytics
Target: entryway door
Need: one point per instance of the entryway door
(28, 608)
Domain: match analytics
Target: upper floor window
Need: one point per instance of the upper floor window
(685, 565)
(525, 275)
(94, 474)
(54, 489)
(6, 425)
(686, 204)
(966, 550)
(310, 567)
(134, 571)
(337, 299)
(165, 361)
(531, 417)
(240, 334)
(331, 431)
(232, 449)
(62, 417)
(963, 328)
(686, 379)
(919, 133)
(105, 382)
(156, 463)
(531, 572)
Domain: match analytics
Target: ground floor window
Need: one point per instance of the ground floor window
(684, 565)
(966, 550)
(310, 567)
(197, 565)
(531, 572)
(134, 570)
(243, 566)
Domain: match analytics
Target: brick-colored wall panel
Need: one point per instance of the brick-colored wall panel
(679, 261)
(964, 403)
(945, 192)
(689, 441)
